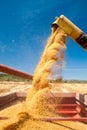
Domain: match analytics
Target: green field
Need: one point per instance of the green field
(7, 77)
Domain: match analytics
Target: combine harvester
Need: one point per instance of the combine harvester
(73, 106)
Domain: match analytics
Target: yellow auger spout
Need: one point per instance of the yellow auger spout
(71, 30)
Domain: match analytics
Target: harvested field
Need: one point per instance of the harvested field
(7, 87)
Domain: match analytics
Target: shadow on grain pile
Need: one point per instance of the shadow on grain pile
(50, 67)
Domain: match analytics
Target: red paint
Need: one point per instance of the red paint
(15, 72)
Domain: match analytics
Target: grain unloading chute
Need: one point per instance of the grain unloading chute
(71, 30)
(15, 72)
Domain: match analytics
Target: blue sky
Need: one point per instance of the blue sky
(25, 26)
